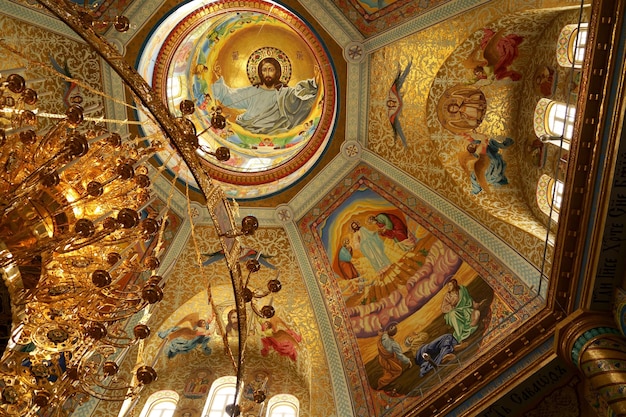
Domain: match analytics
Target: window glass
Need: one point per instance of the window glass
(221, 394)
(160, 404)
(571, 45)
(283, 405)
(578, 51)
(550, 196)
(560, 120)
(163, 408)
(283, 411)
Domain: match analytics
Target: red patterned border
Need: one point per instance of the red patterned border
(400, 11)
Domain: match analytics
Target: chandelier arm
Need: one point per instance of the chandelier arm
(125, 392)
(55, 132)
(261, 294)
(242, 326)
(216, 199)
(68, 13)
(31, 181)
(76, 293)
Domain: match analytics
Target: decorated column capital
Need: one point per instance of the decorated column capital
(580, 329)
(592, 343)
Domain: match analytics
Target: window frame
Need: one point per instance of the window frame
(158, 398)
(283, 400)
(572, 45)
(220, 384)
(548, 188)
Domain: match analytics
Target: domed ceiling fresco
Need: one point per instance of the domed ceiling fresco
(218, 56)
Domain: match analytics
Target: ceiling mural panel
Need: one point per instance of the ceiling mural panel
(371, 17)
(402, 276)
(262, 85)
(286, 348)
(191, 342)
(409, 263)
(474, 98)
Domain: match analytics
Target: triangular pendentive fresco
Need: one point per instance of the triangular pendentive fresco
(189, 332)
(374, 16)
(414, 297)
(191, 340)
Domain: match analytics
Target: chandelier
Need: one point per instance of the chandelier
(72, 213)
(70, 218)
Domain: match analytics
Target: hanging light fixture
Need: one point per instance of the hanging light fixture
(77, 201)
(69, 216)
(251, 295)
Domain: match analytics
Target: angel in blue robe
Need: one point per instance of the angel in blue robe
(190, 332)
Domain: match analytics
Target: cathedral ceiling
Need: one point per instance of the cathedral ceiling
(404, 160)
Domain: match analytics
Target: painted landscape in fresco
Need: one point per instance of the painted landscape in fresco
(414, 305)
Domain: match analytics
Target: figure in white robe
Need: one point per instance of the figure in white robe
(270, 107)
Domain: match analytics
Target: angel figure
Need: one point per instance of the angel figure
(484, 164)
(191, 331)
(495, 53)
(280, 337)
(246, 254)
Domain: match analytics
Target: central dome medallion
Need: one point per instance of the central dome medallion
(262, 84)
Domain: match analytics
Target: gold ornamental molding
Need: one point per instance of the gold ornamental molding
(587, 160)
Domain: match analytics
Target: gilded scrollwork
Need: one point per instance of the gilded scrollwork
(287, 375)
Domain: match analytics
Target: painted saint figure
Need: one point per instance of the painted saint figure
(232, 327)
(390, 357)
(199, 89)
(462, 108)
(271, 107)
(280, 338)
(484, 164)
(371, 246)
(346, 267)
(432, 354)
(497, 51)
(259, 383)
(460, 310)
(393, 227)
(198, 385)
(183, 339)
(465, 116)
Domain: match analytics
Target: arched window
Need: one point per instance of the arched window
(550, 195)
(560, 120)
(283, 405)
(160, 404)
(571, 45)
(554, 122)
(221, 394)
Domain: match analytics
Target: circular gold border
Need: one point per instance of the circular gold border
(330, 105)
